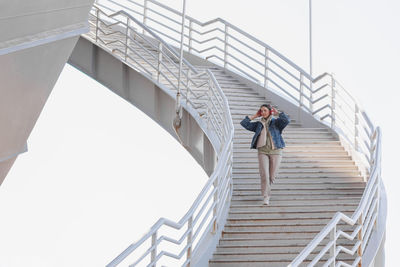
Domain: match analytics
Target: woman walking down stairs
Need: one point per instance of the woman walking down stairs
(317, 178)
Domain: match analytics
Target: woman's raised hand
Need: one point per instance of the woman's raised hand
(274, 111)
(258, 114)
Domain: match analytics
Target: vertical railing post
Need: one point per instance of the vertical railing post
(215, 211)
(97, 23)
(126, 38)
(189, 240)
(266, 66)
(187, 85)
(144, 13)
(159, 64)
(333, 103)
(226, 46)
(311, 95)
(208, 117)
(190, 35)
(360, 238)
(154, 249)
(332, 250)
(301, 98)
(356, 123)
(378, 195)
(372, 148)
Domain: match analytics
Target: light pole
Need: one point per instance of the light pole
(310, 32)
(178, 108)
(310, 45)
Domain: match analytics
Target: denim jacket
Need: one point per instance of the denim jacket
(275, 127)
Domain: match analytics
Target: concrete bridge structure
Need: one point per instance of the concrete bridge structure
(328, 206)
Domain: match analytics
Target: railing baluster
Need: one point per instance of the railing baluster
(189, 240)
(332, 250)
(266, 65)
(187, 85)
(356, 123)
(126, 38)
(208, 117)
(97, 24)
(144, 14)
(333, 103)
(159, 65)
(154, 250)
(311, 96)
(226, 46)
(371, 150)
(215, 211)
(378, 196)
(190, 35)
(360, 238)
(301, 98)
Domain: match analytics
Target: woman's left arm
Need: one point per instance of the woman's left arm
(282, 121)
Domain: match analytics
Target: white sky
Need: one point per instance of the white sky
(88, 169)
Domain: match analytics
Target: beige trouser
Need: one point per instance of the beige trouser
(268, 167)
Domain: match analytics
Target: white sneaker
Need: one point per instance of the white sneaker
(266, 201)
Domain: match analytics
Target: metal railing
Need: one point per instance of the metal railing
(363, 222)
(232, 48)
(122, 35)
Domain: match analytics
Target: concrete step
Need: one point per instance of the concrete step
(275, 228)
(303, 129)
(259, 250)
(288, 209)
(281, 216)
(291, 190)
(294, 156)
(283, 235)
(285, 181)
(266, 259)
(290, 137)
(251, 101)
(288, 153)
(302, 134)
(299, 166)
(291, 125)
(236, 242)
(280, 222)
(290, 198)
(298, 160)
(297, 193)
(301, 170)
(283, 202)
(241, 130)
(299, 142)
(282, 175)
(295, 148)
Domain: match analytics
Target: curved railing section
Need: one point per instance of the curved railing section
(323, 97)
(232, 48)
(364, 220)
(122, 35)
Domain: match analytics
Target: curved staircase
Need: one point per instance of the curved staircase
(318, 176)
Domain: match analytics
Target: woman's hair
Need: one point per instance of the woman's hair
(268, 106)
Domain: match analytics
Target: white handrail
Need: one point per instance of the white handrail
(358, 213)
(234, 49)
(107, 31)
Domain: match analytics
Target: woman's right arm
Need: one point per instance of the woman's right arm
(248, 125)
